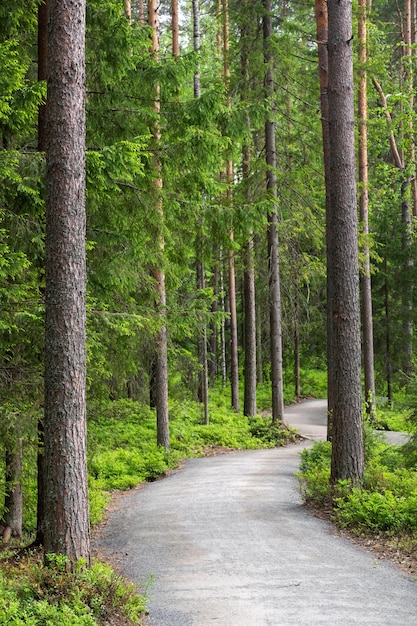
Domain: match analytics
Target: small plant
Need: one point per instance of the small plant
(35, 593)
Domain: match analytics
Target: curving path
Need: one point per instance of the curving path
(228, 543)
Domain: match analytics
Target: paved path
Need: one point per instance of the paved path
(229, 543)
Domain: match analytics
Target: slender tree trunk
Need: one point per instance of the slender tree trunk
(128, 10)
(161, 345)
(13, 502)
(273, 242)
(249, 402)
(366, 288)
(388, 357)
(214, 332)
(408, 202)
(201, 279)
(249, 407)
(322, 36)
(175, 28)
(42, 75)
(66, 495)
(347, 449)
(223, 325)
(234, 359)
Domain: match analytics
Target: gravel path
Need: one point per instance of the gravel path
(227, 542)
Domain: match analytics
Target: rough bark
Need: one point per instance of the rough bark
(273, 240)
(42, 75)
(366, 287)
(66, 496)
(347, 438)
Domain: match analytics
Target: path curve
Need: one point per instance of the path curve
(228, 542)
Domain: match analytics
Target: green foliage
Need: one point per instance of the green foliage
(35, 594)
(386, 501)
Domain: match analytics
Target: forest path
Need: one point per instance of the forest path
(228, 542)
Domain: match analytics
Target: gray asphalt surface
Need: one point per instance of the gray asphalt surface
(228, 542)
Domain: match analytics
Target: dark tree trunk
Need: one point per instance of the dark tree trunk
(13, 502)
(249, 407)
(347, 439)
(66, 495)
(273, 242)
(249, 401)
(42, 75)
(214, 332)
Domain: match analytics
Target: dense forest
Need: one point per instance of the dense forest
(209, 174)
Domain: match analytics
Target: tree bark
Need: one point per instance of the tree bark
(66, 494)
(273, 241)
(347, 449)
(366, 287)
(13, 502)
(323, 57)
(42, 75)
(160, 381)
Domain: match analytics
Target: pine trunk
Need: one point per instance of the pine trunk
(322, 37)
(366, 288)
(273, 241)
(66, 495)
(42, 75)
(347, 449)
(13, 501)
(160, 371)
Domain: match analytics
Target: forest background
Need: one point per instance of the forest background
(177, 197)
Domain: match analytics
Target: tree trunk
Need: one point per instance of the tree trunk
(249, 401)
(66, 494)
(42, 75)
(175, 28)
(347, 449)
(366, 288)
(408, 202)
(160, 381)
(273, 242)
(234, 359)
(322, 36)
(201, 279)
(249, 406)
(13, 502)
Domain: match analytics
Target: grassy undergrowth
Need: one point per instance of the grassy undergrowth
(386, 502)
(35, 594)
(121, 454)
(122, 441)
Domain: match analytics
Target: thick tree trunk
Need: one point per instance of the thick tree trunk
(366, 288)
(160, 371)
(13, 502)
(66, 495)
(273, 242)
(347, 449)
